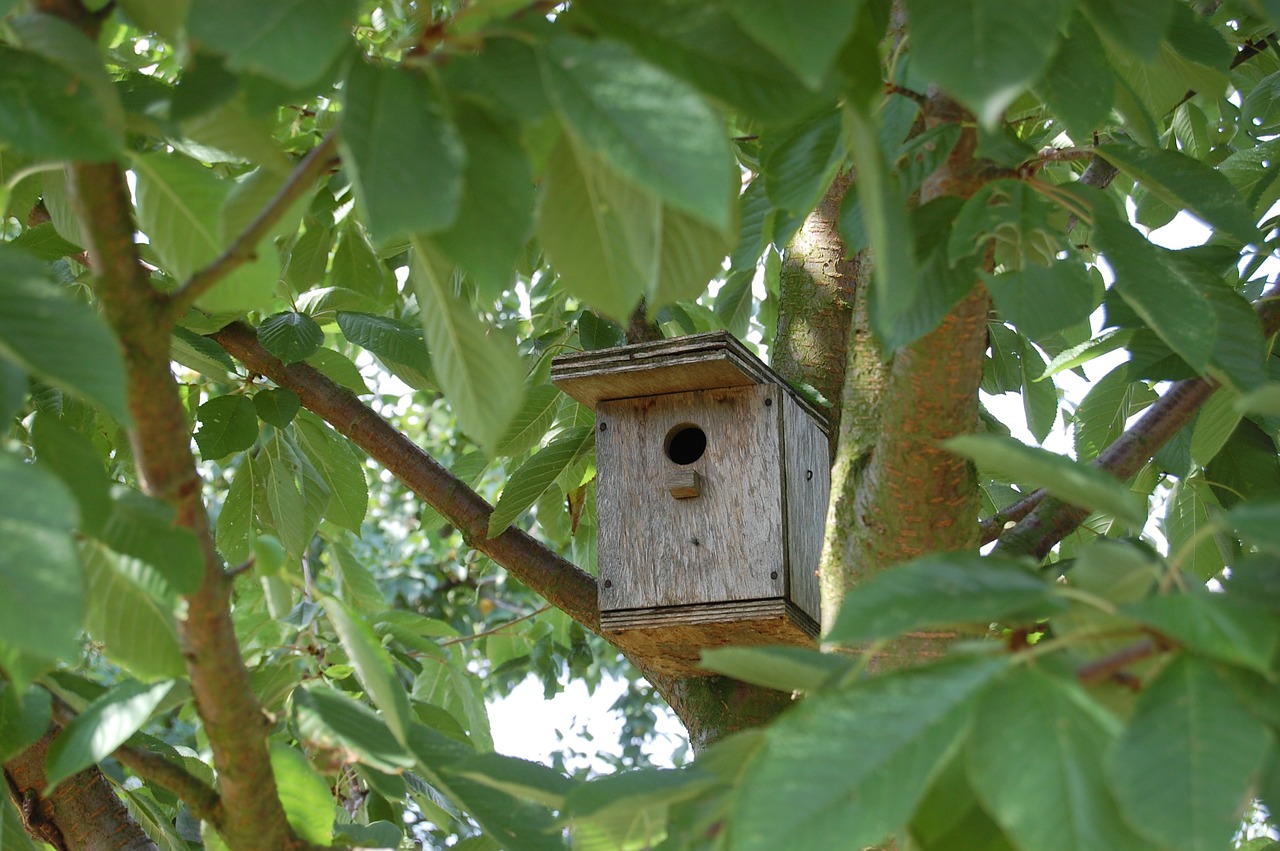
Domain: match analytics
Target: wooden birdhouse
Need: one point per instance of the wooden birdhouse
(713, 477)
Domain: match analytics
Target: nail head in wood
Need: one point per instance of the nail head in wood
(684, 484)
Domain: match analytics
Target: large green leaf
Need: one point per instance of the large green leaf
(782, 668)
(227, 424)
(235, 520)
(985, 52)
(56, 338)
(145, 528)
(401, 347)
(405, 155)
(479, 370)
(105, 725)
(290, 336)
(798, 162)
(629, 809)
(70, 456)
(1186, 183)
(1057, 798)
(1101, 416)
(1039, 300)
(1182, 767)
(649, 126)
(1073, 482)
(806, 36)
(47, 112)
(804, 792)
(942, 590)
(495, 215)
(294, 494)
(180, 209)
(24, 718)
(531, 422)
(1218, 626)
(290, 41)
(130, 612)
(42, 593)
(373, 666)
(534, 476)
(1136, 26)
(1079, 84)
(304, 794)
(340, 466)
(328, 718)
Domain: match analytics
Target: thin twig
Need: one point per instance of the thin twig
(1108, 667)
(496, 630)
(316, 162)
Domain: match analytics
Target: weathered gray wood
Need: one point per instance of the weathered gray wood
(807, 476)
(671, 639)
(683, 484)
(680, 365)
(725, 545)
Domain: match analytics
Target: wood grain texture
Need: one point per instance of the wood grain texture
(728, 543)
(807, 483)
(672, 639)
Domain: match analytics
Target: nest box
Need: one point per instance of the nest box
(713, 478)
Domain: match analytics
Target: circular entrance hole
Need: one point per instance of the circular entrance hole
(685, 443)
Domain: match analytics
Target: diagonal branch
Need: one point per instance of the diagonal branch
(1046, 520)
(561, 582)
(317, 161)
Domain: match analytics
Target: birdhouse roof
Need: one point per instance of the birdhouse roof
(697, 362)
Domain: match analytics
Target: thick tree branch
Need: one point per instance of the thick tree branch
(82, 814)
(199, 796)
(561, 582)
(317, 161)
(1046, 520)
(142, 319)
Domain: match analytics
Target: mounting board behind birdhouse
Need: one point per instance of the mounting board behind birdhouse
(713, 478)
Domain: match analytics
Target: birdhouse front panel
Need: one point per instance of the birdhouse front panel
(691, 498)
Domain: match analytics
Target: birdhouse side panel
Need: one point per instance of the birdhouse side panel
(690, 498)
(808, 486)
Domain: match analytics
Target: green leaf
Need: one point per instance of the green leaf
(304, 794)
(235, 520)
(480, 371)
(1183, 766)
(48, 112)
(70, 456)
(355, 265)
(146, 529)
(1039, 398)
(495, 215)
(530, 781)
(130, 611)
(802, 792)
(782, 668)
(897, 282)
(164, 17)
(60, 340)
(1246, 468)
(1101, 416)
(42, 594)
(180, 209)
(342, 469)
(649, 126)
(798, 162)
(44, 243)
(227, 424)
(806, 36)
(1073, 482)
(328, 718)
(1039, 300)
(277, 407)
(373, 666)
(1057, 799)
(1214, 426)
(629, 809)
(985, 52)
(1258, 524)
(1186, 183)
(13, 832)
(532, 421)
(342, 371)
(296, 496)
(1135, 26)
(1171, 307)
(459, 692)
(1079, 84)
(942, 590)
(1222, 627)
(24, 718)
(201, 354)
(290, 336)
(401, 347)
(405, 155)
(601, 232)
(103, 726)
(290, 41)
(536, 475)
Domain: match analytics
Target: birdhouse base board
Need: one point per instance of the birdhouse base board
(670, 639)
